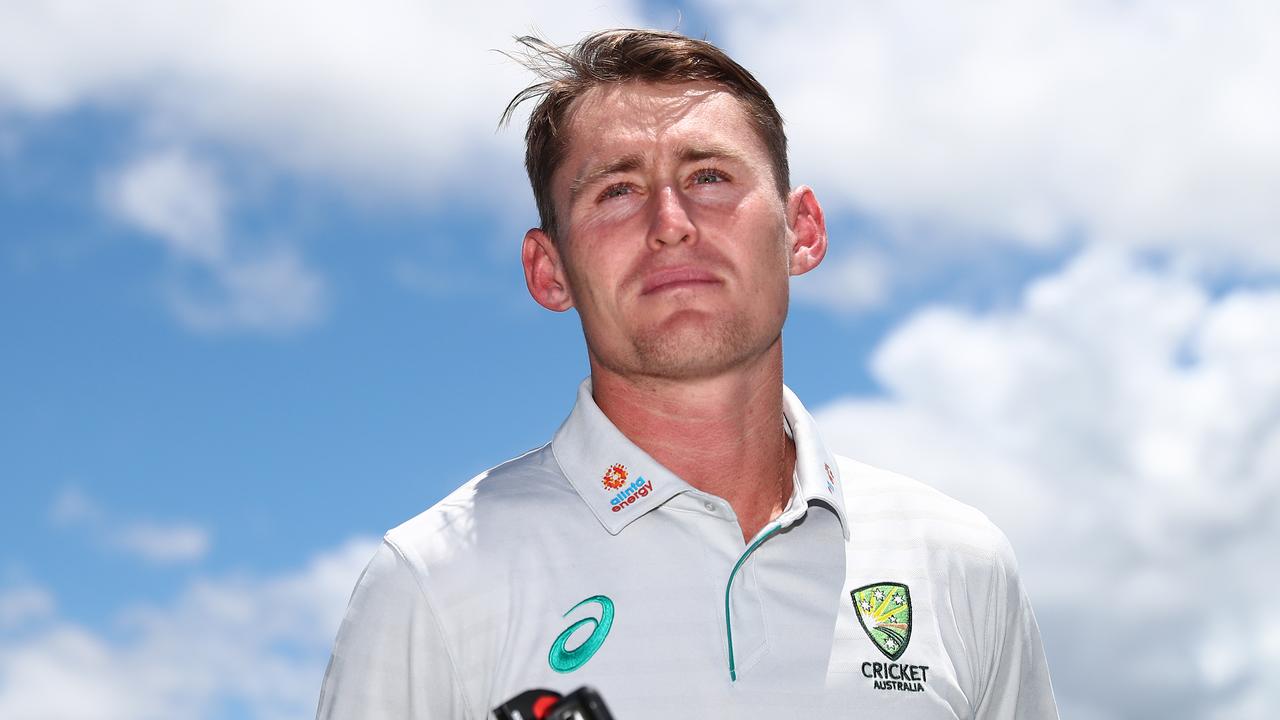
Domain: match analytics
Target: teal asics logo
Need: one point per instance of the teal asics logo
(566, 661)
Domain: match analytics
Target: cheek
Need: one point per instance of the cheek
(719, 198)
(764, 245)
(594, 276)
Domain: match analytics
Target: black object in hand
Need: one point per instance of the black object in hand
(581, 704)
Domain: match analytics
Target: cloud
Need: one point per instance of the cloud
(256, 643)
(856, 281)
(178, 201)
(273, 291)
(156, 543)
(22, 605)
(164, 543)
(1145, 124)
(1122, 424)
(73, 506)
(391, 99)
(392, 96)
(220, 285)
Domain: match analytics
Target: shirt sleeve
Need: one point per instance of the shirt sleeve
(391, 660)
(1018, 685)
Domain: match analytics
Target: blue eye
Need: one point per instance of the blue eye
(614, 191)
(708, 176)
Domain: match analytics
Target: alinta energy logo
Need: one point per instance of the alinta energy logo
(615, 478)
(884, 612)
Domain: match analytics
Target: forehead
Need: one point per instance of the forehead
(641, 117)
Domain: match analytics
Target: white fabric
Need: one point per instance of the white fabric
(460, 607)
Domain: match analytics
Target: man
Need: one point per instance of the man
(685, 544)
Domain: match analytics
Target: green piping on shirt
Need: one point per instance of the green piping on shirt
(728, 623)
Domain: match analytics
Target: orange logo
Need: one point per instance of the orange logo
(615, 477)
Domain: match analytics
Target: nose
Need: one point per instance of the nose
(671, 223)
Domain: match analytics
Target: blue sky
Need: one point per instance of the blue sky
(261, 300)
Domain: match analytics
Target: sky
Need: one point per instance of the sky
(260, 301)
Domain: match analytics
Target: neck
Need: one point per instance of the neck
(721, 434)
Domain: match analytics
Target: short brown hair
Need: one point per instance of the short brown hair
(618, 56)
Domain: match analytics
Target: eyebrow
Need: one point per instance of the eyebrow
(626, 163)
(713, 151)
(635, 161)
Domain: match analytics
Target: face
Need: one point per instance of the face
(675, 246)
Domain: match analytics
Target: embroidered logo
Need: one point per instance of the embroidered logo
(631, 493)
(615, 477)
(831, 479)
(884, 611)
(566, 661)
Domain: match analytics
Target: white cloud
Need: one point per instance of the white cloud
(20, 606)
(855, 281)
(274, 291)
(164, 543)
(221, 285)
(398, 96)
(388, 99)
(157, 543)
(1147, 123)
(1123, 426)
(260, 643)
(178, 201)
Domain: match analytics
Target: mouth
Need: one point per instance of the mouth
(677, 278)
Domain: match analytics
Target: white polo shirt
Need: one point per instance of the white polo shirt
(585, 562)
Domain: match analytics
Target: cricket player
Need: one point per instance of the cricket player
(686, 543)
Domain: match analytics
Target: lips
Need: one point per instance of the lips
(677, 277)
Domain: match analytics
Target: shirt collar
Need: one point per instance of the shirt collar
(817, 472)
(620, 482)
(616, 479)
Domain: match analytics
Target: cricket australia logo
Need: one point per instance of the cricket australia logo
(884, 611)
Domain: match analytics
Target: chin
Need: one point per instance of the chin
(691, 348)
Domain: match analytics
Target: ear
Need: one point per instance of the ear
(544, 272)
(808, 231)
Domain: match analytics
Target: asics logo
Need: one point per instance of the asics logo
(566, 661)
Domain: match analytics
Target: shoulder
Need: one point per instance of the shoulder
(886, 503)
(963, 574)
(432, 599)
(489, 517)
